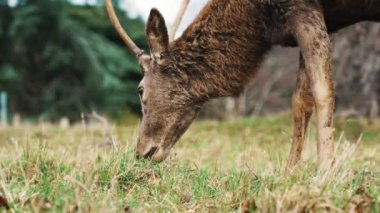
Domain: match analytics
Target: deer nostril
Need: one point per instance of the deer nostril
(151, 152)
(137, 155)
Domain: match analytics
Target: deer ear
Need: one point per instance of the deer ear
(157, 34)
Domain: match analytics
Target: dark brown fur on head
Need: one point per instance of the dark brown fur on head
(167, 107)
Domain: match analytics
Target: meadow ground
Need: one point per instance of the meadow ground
(216, 167)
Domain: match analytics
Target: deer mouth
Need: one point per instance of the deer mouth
(154, 153)
(146, 154)
(151, 152)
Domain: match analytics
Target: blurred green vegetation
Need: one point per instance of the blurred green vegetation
(59, 59)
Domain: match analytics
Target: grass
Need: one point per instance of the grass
(227, 166)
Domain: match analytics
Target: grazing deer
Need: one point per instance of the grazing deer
(220, 52)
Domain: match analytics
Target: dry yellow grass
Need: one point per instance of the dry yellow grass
(216, 167)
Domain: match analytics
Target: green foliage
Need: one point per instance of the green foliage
(61, 60)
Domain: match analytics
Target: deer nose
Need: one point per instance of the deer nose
(146, 154)
(151, 152)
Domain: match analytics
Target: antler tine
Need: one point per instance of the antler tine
(178, 19)
(124, 36)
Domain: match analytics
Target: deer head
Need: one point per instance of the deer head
(167, 107)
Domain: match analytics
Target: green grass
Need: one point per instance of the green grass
(216, 167)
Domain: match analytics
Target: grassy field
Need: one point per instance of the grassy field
(216, 167)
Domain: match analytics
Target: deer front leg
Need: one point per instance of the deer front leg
(312, 37)
(302, 107)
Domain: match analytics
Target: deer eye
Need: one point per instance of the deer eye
(140, 90)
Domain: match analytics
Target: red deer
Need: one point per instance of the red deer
(221, 51)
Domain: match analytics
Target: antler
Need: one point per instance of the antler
(124, 36)
(178, 19)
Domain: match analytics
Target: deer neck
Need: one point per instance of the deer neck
(221, 51)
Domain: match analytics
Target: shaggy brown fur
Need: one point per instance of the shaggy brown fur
(221, 51)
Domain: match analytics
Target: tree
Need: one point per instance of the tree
(62, 60)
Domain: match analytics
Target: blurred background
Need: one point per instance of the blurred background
(63, 58)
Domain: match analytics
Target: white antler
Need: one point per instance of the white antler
(178, 20)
